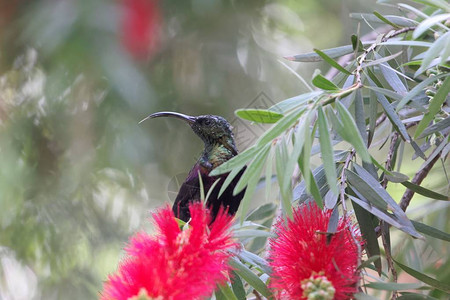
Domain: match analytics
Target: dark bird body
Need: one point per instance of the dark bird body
(218, 138)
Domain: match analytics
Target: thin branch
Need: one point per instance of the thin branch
(359, 66)
(257, 295)
(392, 149)
(380, 119)
(362, 58)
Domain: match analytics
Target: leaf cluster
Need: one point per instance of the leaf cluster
(391, 94)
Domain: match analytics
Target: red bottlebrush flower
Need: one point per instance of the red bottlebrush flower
(140, 27)
(307, 266)
(175, 263)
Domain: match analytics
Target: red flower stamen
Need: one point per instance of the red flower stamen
(308, 266)
(175, 263)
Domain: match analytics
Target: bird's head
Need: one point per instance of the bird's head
(210, 128)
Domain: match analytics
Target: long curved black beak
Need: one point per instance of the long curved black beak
(189, 119)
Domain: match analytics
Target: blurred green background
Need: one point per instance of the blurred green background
(78, 175)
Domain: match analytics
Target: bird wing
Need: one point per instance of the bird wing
(190, 192)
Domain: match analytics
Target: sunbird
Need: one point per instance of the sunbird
(217, 135)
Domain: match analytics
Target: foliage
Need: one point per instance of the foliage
(392, 93)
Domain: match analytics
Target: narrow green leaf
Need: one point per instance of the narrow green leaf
(306, 156)
(435, 127)
(358, 184)
(333, 222)
(368, 261)
(417, 151)
(418, 88)
(380, 166)
(379, 16)
(251, 278)
(382, 60)
(288, 167)
(414, 296)
(268, 176)
(237, 286)
(335, 122)
(372, 190)
(314, 191)
(255, 260)
(396, 177)
(433, 52)
(436, 3)
(201, 186)
(373, 110)
(383, 215)
(299, 138)
(436, 152)
(291, 103)
(424, 278)
(281, 157)
(327, 152)
(332, 62)
(392, 78)
(253, 170)
(406, 43)
(252, 233)
(398, 21)
(412, 63)
(251, 178)
(360, 116)
(258, 115)
(180, 223)
(351, 132)
(228, 180)
(388, 93)
(211, 189)
(333, 53)
(393, 116)
(362, 296)
(236, 162)
(445, 54)
(219, 295)
(356, 43)
(393, 286)
(423, 191)
(429, 22)
(330, 199)
(279, 127)
(434, 107)
(319, 183)
(227, 292)
(324, 84)
(262, 212)
(247, 224)
(431, 231)
(390, 112)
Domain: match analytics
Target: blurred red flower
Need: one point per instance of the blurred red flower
(307, 266)
(175, 263)
(140, 27)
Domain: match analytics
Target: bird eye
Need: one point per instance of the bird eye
(207, 122)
